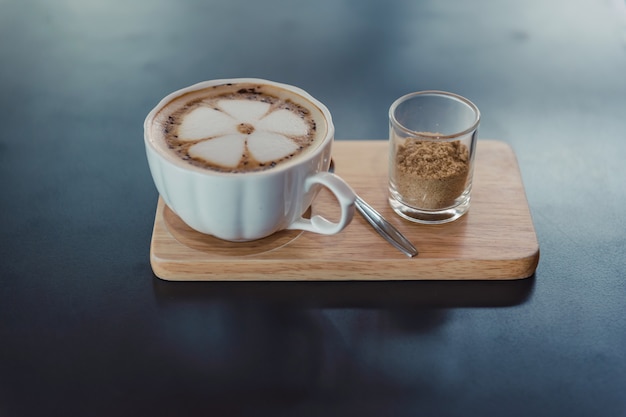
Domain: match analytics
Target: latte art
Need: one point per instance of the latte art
(239, 128)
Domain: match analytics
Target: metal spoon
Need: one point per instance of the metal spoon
(381, 225)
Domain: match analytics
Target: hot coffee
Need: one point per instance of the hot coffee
(239, 127)
(241, 159)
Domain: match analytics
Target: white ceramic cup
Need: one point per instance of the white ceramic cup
(247, 206)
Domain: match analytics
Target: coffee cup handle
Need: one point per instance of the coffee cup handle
(345, 197)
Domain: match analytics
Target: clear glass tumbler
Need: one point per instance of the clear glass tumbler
(432, 143)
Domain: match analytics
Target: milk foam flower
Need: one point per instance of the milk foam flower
(223, 133)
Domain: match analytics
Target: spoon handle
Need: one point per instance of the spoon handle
(385, 229)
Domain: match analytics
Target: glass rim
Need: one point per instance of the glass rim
(438, 93)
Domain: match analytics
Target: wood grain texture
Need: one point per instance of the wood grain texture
(495, 240)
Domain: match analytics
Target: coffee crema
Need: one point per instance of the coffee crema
(239, 127)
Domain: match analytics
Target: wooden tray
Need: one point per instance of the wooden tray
(495, 240)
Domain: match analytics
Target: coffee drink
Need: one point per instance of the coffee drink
(243, 158)
(239, 127)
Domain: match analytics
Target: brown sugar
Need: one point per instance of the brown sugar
(430, 174)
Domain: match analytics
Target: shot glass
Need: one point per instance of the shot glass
(432, 143)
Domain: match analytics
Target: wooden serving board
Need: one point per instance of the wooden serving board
(495, 240)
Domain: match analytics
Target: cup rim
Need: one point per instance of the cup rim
(457, 97)
(164, 155)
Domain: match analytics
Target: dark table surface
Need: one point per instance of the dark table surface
(86, 329)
